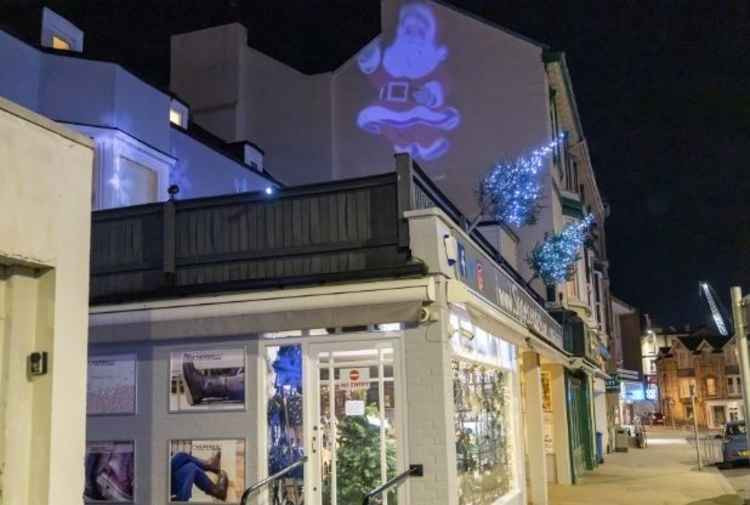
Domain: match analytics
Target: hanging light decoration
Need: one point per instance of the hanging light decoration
(510, 192)
(553, 260)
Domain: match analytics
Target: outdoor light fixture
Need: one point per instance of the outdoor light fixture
(269, 190)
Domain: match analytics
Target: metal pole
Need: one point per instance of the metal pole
(695, 427)
(738, 316)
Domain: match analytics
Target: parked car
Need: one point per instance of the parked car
(657, 418)
(735, 443)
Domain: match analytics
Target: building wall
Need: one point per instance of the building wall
(308, 124)
(630, 325)
(201, 171)
(44, 267)
(206, 69)
(19, 80)
(241, 94)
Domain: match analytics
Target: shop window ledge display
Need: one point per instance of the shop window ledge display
(483, 432)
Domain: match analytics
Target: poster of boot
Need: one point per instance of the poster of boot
(111, 384)
(207, 380)
(207, 471)
(109, 468)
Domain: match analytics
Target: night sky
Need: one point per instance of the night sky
(663, 89)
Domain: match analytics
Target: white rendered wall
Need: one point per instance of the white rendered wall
(44, 244)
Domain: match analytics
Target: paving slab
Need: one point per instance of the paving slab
(665, 473)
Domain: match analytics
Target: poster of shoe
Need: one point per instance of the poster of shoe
(109, 472)
(207, 380)
(111, 384)
(207, 471)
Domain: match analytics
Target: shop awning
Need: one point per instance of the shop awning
(582, 364)
(486, 316)
(251, 313)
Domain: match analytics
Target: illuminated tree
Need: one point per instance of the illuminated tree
(510, 192)
(553, 260)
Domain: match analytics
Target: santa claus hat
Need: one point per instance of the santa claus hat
(420, 11)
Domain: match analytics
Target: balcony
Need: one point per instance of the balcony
(686, 372)
(310, 234)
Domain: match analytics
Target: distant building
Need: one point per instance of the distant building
(652, 340)
(633, 398)
(705, 365)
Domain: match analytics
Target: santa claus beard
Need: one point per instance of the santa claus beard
(411, 59)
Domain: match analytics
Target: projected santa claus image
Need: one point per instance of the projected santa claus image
(411, 107)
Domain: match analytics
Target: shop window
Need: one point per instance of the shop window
(484, 437)
(285, 416)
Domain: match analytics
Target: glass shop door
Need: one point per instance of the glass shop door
(356, 430)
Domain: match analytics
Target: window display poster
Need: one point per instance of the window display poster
(207, 380)
(109, 472)
(111, 384)
(207, 471)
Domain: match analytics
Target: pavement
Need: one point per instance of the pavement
(739, 478)
(665, 473)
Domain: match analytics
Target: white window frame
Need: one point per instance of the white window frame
(111, 146)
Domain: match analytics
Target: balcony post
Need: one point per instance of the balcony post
(168, 253)
(405, 194)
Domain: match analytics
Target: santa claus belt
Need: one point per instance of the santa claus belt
(395, 91)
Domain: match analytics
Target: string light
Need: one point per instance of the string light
(553, 260)
(511, 191)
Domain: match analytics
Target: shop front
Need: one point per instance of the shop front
(340, 376)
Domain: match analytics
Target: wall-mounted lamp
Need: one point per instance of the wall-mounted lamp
(451, 249)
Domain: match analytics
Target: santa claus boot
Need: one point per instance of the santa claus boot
(199, 386)
(219, 490)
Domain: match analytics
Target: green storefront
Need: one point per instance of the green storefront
(578, 388)
(580, 423)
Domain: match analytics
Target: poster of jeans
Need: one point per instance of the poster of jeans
(109, 468)
(207, 380)
(111, 384)
(207, 471)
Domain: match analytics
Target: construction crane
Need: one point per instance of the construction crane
(718, 313)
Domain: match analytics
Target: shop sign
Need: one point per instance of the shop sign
(497, 286)
(354, 407)
(613, 384)
(354, 379)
